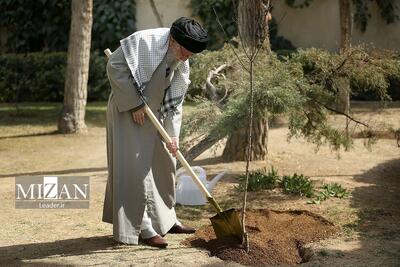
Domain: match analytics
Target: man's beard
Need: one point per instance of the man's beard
(175, 52)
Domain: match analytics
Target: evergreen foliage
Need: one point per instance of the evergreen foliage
(40, 77)
(303, 87)
(43, 25)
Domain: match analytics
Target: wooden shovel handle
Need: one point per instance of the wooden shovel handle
(107, 52)
(179, 155)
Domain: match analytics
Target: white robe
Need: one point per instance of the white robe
(140, 169)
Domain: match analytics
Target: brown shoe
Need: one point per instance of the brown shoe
(155, 241)
(181, 229)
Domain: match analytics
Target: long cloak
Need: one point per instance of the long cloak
(140, 168)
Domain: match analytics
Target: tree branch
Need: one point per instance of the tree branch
(227, 40)
(156, 13)
(341, 113)
(335, 110)
(210, 88)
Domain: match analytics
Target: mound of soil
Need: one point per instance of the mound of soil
(275, 237)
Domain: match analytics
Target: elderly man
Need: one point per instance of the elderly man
(140, 193)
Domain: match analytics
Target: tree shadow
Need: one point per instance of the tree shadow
(208, 161)
(377, 204)
(67, 171)
(15, 255)
(29, 135)
(47, 114)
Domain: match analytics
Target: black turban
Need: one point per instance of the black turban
(189, 34)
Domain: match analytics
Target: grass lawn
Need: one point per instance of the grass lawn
(41, 117)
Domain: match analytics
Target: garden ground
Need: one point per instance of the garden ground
(368, 220)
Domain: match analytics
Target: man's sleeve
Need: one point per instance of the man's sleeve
(123, 85)
(172, 123)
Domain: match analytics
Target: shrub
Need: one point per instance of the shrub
(329, 190)
(34, 26)
(335, 190)
(98, 85)
(259, 180)
(41, 76)
(281, 79)
(297, 184)
(373, 74)
(201, 64)
(291, 184)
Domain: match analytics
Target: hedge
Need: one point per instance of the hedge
(40, 77)
(36, 26)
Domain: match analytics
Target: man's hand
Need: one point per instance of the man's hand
(173, 146)
(138, 116)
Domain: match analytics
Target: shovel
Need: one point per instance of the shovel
(225, 223)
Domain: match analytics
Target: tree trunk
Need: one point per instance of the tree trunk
(343, 85)
(345, 24)
(253, 13)
(235, 148)
(343, 103)
(267, 43)
(72, 119)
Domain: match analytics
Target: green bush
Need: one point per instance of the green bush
(335, 190)
(259, 180)
(291, 184)
(34, 26)
(279, 77)
(40, 77)
(201, 64)
(329, 190)
(303, 86)
(373, 74)
(297, 184)
(98, 85)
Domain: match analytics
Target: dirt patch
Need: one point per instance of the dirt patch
(276, 237)
(369, 219)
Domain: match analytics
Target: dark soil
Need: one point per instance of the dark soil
(276, 237)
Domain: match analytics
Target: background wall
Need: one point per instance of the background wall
(169, 10)
(315, 26)
(319, 26)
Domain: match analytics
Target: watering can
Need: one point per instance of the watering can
(187, 192)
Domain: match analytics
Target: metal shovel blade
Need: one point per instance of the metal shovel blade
(227, 223)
